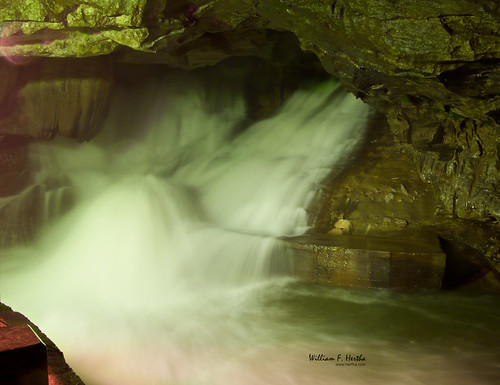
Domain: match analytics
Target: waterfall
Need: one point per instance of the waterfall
(161, 273)
(168, 186)
(176, 222)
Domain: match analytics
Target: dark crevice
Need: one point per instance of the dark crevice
(337, 10)
(476, 79)
(463, 265)
(495, 115)
(480, 147)
(446, 26)
(184, 11)
(438, 137)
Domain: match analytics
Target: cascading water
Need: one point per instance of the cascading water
(160, 274)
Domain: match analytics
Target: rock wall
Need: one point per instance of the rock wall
(40, 99)
(431, 67)
(47, 97)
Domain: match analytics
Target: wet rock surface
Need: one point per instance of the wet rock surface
(23, 356)
(381, 194)
(351, 261)
(50, 97)
(41, 99)
(14, 169)
(59, 372)
(29, 197)
(431, 67)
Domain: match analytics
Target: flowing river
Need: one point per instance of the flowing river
(162, 271)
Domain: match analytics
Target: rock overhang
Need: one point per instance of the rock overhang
(433, 68)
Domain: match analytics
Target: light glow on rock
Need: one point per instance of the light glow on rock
(160, 274)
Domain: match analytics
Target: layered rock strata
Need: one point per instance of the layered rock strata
(39, 100)
(431, 67)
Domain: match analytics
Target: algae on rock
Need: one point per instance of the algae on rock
(431, 67)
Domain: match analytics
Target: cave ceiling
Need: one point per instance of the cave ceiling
(384, 51)
(432, 67)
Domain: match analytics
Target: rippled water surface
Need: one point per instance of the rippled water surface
(160, 273)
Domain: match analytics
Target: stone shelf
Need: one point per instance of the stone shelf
(351, 261)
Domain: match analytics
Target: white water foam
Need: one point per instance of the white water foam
(174, 228)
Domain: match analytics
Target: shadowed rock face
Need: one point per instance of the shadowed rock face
(38, 100)
(432, 67)
(56, 96)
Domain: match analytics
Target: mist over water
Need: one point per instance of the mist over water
(160, 273)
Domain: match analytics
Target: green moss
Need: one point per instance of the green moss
(404, 99)
(455, 116)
